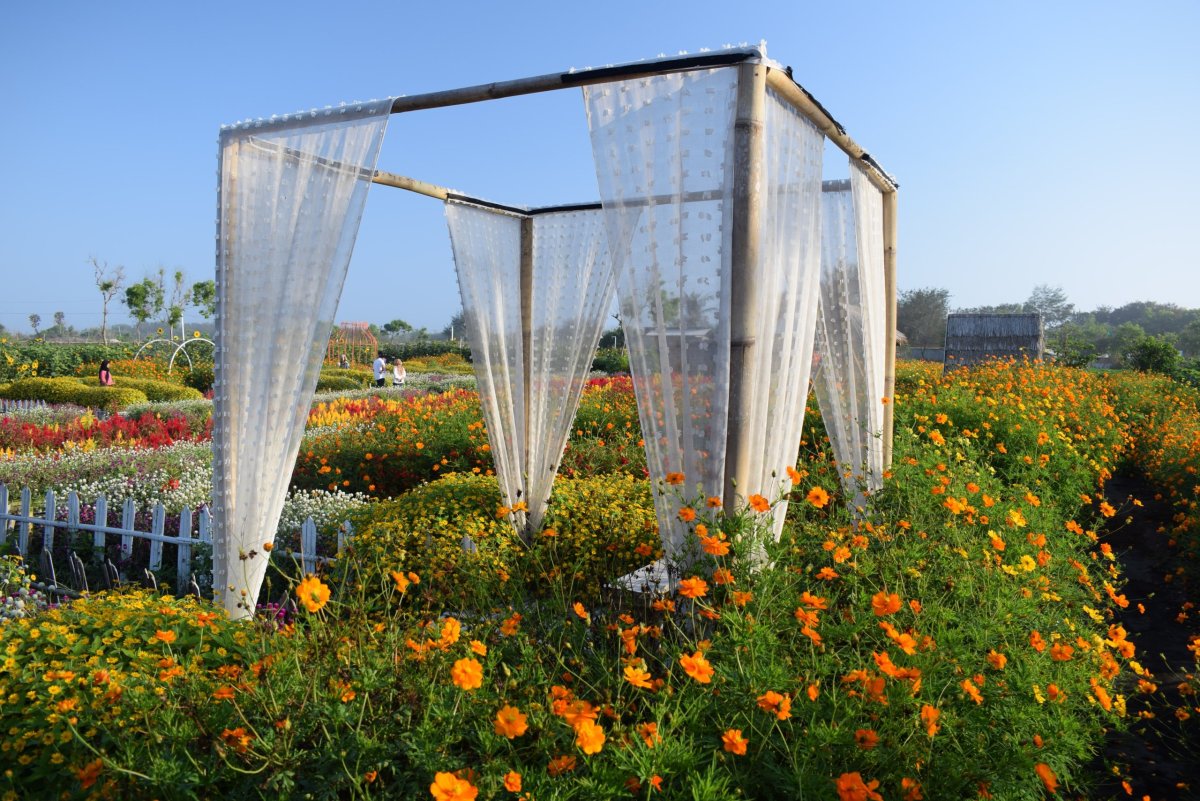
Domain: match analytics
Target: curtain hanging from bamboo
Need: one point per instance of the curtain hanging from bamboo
(851, 335)
(291, 197)
(530, 364)
(787, 283)
(663, 148)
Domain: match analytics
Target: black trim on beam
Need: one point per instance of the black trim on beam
(681, 64)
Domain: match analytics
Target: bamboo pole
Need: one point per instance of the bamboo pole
(743, 326)
(526, 348)
(889, 356)
(411, 184)
(568, 80)
(802, 101)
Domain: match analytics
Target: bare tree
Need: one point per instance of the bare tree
(60, 319)
(109, 284)
(36, 321)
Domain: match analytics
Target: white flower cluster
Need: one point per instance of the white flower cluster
(327, 509)
(20, 599)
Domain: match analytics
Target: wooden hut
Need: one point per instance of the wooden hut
(974, 338)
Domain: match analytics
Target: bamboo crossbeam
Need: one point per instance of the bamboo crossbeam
(411, 184)
(889, 354)
(802, 101)
(569, 80)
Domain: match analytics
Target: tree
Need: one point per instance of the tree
(457, 329)
(109, 284)
(204, 297)
(144, 300)
(1051, 303)
(181, 296)
(36, 321)
(1152, 355)
(396, 327)
(1124, 338)
(60, 319)
(1003, 308)
(1189, 339)
(921, 315)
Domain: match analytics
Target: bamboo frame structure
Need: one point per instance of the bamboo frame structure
(756, 76)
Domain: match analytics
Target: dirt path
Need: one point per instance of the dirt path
(1159, 757)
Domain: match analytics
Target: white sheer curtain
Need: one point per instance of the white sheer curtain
(788, 281)
(851, 335)
(529, 412)
(663, 148)
(291, 197)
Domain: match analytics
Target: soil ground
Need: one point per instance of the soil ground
(1158, 757)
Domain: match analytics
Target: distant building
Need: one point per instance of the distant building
(974, 338)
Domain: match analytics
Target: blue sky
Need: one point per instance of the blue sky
(1034, 142)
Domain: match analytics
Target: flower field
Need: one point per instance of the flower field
(957, 639)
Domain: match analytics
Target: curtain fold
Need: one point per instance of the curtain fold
(663, 148)
(529, 408)
(851, 335)
(788, 280)
(291, 197)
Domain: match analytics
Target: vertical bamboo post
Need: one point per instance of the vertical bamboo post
(526, 350)
(747, 227)
(889, 357)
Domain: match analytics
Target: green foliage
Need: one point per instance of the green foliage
(611, 360)
(153, 390)
(1151, 355)
(70, 390)
(16, 358)
(423, 347)
(200, 377)
(1076, 353)
(921, 316)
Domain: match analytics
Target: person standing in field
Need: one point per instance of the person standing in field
(380, 365)
(399, 374)
(106, 378)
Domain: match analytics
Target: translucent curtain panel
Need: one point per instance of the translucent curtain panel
(788, 284)
(487, 257)
(573, 286)
(849, 384)
(529, 419)
(291, 198)
(663, 148)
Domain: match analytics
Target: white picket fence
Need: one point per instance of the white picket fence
(194, 530)
(20, 405)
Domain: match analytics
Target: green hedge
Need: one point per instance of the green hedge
(69, 390)
(153, 390)
(55, 359)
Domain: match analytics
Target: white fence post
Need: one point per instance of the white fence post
(3, 511)
(23, 525)
(183, 559)
(127, 521)
(100, 519)
(308, 546)
(48, 530)
(158, 526)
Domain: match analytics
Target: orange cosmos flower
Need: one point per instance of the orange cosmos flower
(560, 765)
(827, 574)
(777, 704)
(1061, 652)
(759, 503)
(451, 631)
(794, 475)
(740, 598)
(813, 601)
(697, 667)
(713, 502)
(467, 674)
(929, 716)
(223, 693)
(997, 659)
(693, 587)
(1049, 779)
(89, 773)
(165, 636)
(818, 497)
(448, 787)
(1035, 640)
(851, 787)
(478, 647)
(579, 610)
(912, 789)
(723, 576)
(401, 580)
(638, 677)
(510, 722)
(714, 546)
(733, 742)
(675, 479)
(649, 734)
(1106, 509)
(313, 593)
(589, 736)
(971, 690)
(511, 625)
(512, 781)
(687, 514)
(884, 603)
(866, 739)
